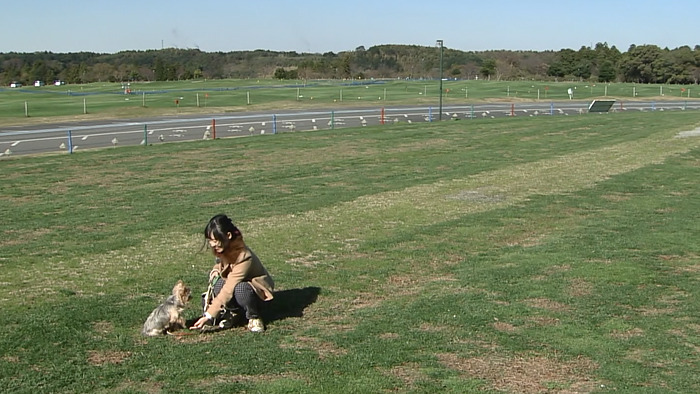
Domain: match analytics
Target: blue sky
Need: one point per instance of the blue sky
(320, 26)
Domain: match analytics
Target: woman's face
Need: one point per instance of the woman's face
(216, 246)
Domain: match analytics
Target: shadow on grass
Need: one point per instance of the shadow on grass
(287, 303)
(290, 303)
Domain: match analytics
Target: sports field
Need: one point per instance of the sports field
(31, 104)
(521, 255)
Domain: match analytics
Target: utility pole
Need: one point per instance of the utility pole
(440, 45)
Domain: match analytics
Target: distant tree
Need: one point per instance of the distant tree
(488, 68)
(648, 64)
(38, 71)
(683, 66)
(101, 72)
(280, 73)
(604, 62)
(606, 71)
(643, 64)
(160, 70)
(76, 73)
(582, 69)
(564, 64)
(344, 66)
(187, 74)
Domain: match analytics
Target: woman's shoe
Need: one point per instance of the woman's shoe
(256, 325)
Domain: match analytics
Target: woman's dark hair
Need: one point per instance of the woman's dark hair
(218, 227)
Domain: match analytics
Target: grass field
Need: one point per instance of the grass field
(517, 255)
(89, 101)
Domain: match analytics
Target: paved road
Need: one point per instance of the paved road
(17, 140)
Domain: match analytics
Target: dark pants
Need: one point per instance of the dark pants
(244, 298)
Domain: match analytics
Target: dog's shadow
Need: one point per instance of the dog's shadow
(289, 303)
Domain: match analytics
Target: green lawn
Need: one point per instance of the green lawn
(523, 255)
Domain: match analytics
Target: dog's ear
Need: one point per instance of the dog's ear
(181, 291)
(177, 289)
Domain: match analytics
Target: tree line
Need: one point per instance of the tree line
(601, 63)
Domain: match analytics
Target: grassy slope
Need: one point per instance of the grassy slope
(519, 255)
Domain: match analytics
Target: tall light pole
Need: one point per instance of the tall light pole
(439, 44)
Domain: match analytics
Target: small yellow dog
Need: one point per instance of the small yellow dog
(167, 317)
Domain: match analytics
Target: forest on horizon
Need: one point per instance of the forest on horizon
(601, 63)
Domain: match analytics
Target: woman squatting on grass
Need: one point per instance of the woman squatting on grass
(238, 282)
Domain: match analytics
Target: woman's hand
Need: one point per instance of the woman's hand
(200, 323)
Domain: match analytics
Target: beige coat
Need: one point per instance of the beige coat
(246, 268)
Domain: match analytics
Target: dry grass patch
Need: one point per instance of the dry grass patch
(366, 300)
(405, 284)
(135, 387)
(324, 349)
(651, 311)
(408, 374)
(557, 269)
(102, 328)
(627, 334)
(478, 343)
(579, 288)
(617, 197)
(195, 336)
(692, 269)
(505, 327)
(545, 303)
(210, 384)
(333, 315)
(689, 335)
(669, 304)
(686, 264)
(478, 196)
(543, 321)
(228, 202)
(527, 373)
(430, 327)
(102, 357)
(18, 237)
(636, 355)
(309, 260)
(10, 359)
(528, 240)
(647, 357)
(389, 335)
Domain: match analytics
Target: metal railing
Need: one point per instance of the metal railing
(72, 138)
